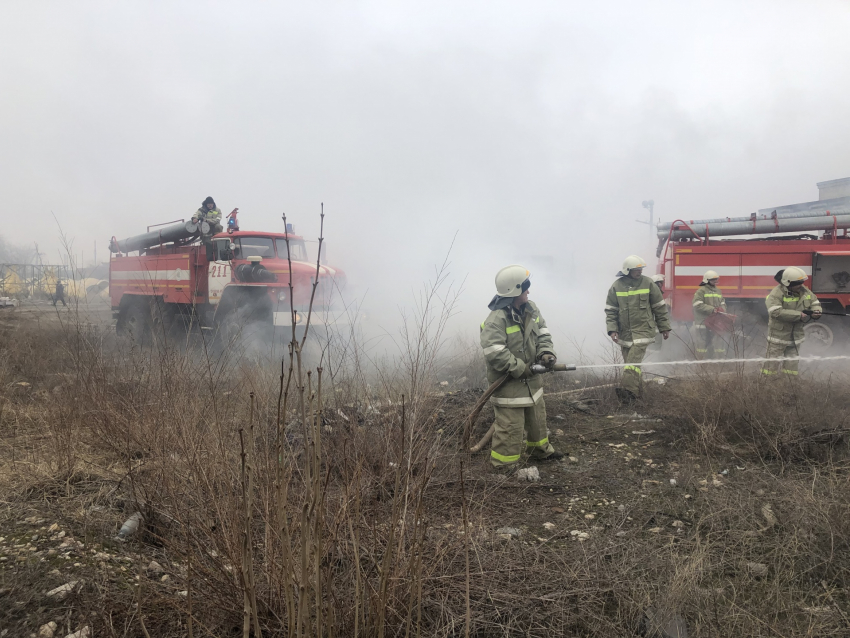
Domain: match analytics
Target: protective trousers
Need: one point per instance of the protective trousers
(507, 438)
(777, 350)
(632, 374)
(708, 344)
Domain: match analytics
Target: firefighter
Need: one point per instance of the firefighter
(785, 306)
(634, 309)
(59, 293)
(513, 337)
(707, 300)
(209, 212)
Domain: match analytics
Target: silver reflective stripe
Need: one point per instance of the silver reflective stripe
(697, 303)
(772, 308)
(544, 331)
(628, 344)
(659, 304)
(521, 402)
(493, 349)
(784, 342)
(642, 341)
(607, 307)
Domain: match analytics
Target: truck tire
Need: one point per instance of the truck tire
(819, 338)
(136, 324)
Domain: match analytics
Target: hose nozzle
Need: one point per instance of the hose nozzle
(558, 367)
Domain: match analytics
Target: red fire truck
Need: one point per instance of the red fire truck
(237, 282)
(763, 244)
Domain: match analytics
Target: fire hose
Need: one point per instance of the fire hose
(498, 383)
(831, 314)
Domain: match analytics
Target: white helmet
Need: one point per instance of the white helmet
(793, 274)
(709, 275)
(510, 280)
(657, 278)
(632, 262)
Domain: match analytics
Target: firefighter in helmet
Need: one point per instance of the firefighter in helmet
(634, 309)
(209, 212)
(513, 337)
(787, 307)
(707, 300)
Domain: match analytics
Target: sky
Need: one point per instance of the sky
(495, 132)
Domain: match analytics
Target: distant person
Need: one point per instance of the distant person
(788, 308)
(707, 300)
(208, 212)
(59, 294)
(633, 310)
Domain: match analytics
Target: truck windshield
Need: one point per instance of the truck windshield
(253, 247)
(297, 248)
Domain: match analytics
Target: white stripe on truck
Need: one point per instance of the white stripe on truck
(734, 271)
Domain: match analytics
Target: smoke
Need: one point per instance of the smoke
(495, 132)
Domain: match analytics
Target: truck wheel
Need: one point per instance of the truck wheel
(137, 324)
(819, 338)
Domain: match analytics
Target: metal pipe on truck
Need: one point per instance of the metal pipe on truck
(822, 208)
(758, 227)
(164, 235)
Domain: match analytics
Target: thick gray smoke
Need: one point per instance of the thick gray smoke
(530, 132)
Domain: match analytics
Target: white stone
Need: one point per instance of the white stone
(61, 592)
(549, 526)
(47, 631)
(757, 569)
(85, 632)
(528, 474)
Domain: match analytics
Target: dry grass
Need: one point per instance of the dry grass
(284, 502)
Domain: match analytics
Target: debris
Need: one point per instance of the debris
(639, 432)
(85, 632)
(342, 414)
(53, 528)
(688, 496)
(444, 384)
(590, 517)
(47, 630)
(560, 417)
(528, 474)
(183, 594)
(549, 526)
(573, 459)
(154, 568)
(724, 473)
(61, 592)
(716, 483)
(558, 510)
(757, 569)
(130, 526)
(621, 533)
(674, 482)
(654, 530)
(509, 531)
(677, 524)
(664, 624)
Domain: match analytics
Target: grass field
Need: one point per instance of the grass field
(342, 504)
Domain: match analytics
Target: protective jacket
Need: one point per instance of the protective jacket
(634, 309)
(512, 340)
(210, 216)
(785, 323)
(706, 299)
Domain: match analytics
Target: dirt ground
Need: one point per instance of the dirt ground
(642, 515)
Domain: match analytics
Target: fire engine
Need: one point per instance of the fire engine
(747, 253)
(240, 278)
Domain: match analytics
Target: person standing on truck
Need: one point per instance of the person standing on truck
(707, 300)
(789, 307)
(634, 309)
(59, 293)
(208, 212)
(513, 337)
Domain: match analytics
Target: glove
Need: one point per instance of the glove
(527, 373)
(718, 309)
(548, 359)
